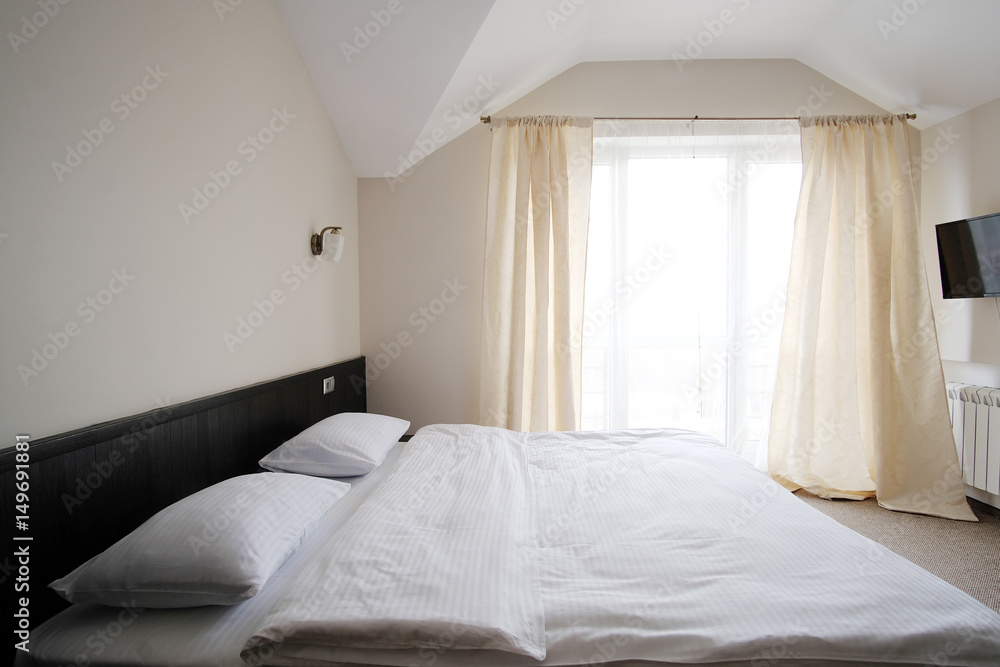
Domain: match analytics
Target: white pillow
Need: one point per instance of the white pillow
(216, 546)
(344, 445)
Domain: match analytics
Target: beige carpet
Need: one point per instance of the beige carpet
(965, 554)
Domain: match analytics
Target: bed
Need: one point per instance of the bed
(472, 545)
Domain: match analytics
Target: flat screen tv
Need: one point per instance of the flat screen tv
(969, 254)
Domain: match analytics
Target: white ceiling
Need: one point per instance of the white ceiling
(395, 95)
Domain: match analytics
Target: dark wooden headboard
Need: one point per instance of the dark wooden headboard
(92, 486)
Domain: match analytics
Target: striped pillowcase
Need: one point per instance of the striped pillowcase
(218, 546)
(344, 445)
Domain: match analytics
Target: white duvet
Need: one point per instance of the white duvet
(477, 546)
(584, 548)
(442, 551)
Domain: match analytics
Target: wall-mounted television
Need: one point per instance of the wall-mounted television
(969, 254)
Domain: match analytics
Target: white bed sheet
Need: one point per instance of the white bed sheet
(721, 566)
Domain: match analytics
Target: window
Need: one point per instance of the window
(687, 264)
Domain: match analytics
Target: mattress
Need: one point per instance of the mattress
(474, 545)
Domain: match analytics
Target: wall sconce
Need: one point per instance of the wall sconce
(317, 239)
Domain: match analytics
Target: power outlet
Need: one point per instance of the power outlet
(327, 385)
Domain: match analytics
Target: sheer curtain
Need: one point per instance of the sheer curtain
(690, 240)
(538, 212)
(859, 404)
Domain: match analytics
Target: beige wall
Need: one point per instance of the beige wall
(424, 229)
(109, 227)
(960, 171)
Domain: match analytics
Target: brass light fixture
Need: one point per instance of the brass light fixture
(317, 239)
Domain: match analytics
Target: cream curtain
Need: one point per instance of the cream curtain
(538, 212)
(859, 402)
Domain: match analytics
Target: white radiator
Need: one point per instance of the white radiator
(975, 419)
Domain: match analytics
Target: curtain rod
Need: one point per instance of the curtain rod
(909, 116)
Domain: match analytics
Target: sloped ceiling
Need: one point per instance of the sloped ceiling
(401, 78)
